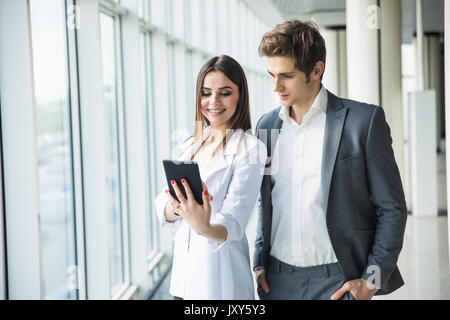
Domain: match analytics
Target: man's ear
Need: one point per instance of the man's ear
(318, 70)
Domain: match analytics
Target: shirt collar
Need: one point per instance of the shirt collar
(319, 104)
(232, 145)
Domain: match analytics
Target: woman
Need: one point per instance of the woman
(211, 254)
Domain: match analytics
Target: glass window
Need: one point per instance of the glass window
(178, 18)
(158, 13)
(161, 107)
(110, 87)
(142, 9)
(234, 28)
(208, 25)
(191, 82)
(56, 191)
(195, 17)
(145, 43)
(223, 18)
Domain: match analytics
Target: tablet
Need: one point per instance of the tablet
(188, 170)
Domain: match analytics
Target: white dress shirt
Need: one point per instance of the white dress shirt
(299, 231)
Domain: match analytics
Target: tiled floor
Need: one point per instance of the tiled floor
(163, 291)
(424, 260)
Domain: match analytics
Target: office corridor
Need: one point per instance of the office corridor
(95, 94)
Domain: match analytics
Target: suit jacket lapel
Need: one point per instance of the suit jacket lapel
(336, 113)
(269, 135)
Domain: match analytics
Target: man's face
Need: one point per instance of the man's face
(290, 84)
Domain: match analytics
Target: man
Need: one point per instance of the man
(332, 212)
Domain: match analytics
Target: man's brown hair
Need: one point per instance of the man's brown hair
(299, 40)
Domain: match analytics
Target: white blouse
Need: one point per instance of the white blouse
(206, 269)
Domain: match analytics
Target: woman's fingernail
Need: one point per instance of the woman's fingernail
(182, 181)
(205, 192)
(172, 181)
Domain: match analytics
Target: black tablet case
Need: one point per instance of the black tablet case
(188, 170)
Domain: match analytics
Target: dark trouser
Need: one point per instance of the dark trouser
(177, 298)
(289, 282)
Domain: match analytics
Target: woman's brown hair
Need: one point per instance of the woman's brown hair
(233, 71)
(295, 39)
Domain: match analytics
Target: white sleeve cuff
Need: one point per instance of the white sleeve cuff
(232, 227)
(160, 205)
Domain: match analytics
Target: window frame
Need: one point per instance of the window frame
(75, 160)
(3, 278)
(155, 255)
(116, 12)
(76, 157)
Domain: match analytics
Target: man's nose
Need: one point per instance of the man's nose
(277, 85)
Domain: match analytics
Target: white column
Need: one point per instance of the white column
(363, 51)
(93, 125)
(422, 150)
(342, 60)
(20, 156)
(335, 77)
(420, 47)
(331, 76)
(428, 72)
(432, 70)
(391, 75)
(374, 61)
(135, 118)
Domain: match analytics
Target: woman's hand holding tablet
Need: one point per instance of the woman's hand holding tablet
(175, 172)
(197, 215)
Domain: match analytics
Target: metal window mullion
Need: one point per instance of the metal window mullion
(76, 162)
(149, 133)
(122, 152)
(152, 111)
(113, 8)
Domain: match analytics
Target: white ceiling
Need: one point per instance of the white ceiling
(332, 13)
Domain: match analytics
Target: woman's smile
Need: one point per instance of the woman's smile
(216, 111)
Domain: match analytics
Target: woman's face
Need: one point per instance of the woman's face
(218, 99)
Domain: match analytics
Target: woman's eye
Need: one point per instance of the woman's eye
(225, 94)
(205, 94)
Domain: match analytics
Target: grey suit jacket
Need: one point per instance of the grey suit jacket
(362, 191)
